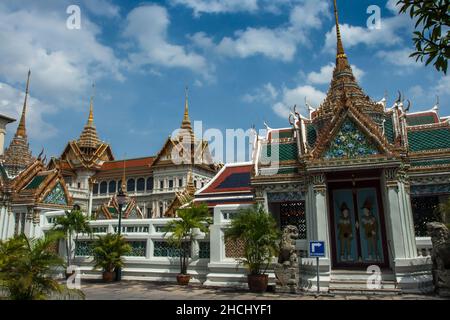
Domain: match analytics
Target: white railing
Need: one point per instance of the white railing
(424, 246)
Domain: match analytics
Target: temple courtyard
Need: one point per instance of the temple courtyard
(144, 290)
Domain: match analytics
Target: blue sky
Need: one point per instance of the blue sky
(245, 62)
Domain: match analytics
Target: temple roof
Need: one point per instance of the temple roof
(89, 137)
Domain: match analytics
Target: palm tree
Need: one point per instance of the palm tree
(258, 231)
(73, 222)
(26, 266)
(108, 251)
(181, 230)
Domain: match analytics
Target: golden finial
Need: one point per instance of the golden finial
(91, 107)
(340, 47)
(21, 129)
(186, 103)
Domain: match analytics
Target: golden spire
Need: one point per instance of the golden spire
(186, 124)
(21, 129)
(88, 137)
(340, 47)
(90, 122)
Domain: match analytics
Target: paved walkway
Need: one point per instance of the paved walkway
(145, 290)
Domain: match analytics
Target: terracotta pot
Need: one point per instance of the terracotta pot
(183, 279)
(108, 276)
(258, 282)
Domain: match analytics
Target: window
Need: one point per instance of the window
(112, 187)
(195, 183)
(119, 185)
(180, 182)
(170, 184)
(95, 188)
(79, 185)
(140, 185)
(103, 187)
(203, 184)
(161, 209)
(130, 185)
(150, 183)
(161, 184)
(149, 212)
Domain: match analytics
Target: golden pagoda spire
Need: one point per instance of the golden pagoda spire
(340, 47)
(21, 129)
(186, 124)
(88, 137)
(90, 122)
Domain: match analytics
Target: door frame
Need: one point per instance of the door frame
(372, 183)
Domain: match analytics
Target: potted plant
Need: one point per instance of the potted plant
(258, 231)
(108, 251)
(190, 220)
(72, 223)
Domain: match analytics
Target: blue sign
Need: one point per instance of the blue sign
(316, 248)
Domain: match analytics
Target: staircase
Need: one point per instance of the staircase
(355, 282)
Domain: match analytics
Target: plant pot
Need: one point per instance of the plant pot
(257, 283)
(108, 276)
(183, 279)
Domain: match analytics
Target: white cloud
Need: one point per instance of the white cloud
(399, 57)
(443, 86)
(11, 103)
(326, 72)
(147, 25)
(296, 96)
(102, 8)
(275, 43)
(63, 62)
(266, 94)
(218, 6)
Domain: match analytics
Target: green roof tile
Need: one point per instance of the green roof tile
(285, 152)
(389, 129)
(433, 162)
(429, 139)
(35, 183)
(418, 120)
(311, 135)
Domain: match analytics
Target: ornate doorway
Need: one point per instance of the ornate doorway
(357, 225)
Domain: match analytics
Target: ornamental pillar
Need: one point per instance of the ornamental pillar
(399, 217)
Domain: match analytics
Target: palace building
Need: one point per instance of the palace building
(362, 176)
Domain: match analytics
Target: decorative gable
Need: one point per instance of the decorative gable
(56, 196)
(350, 142)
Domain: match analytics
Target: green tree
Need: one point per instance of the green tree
(181, 230)
(258, 230)
(27, 265)
(432, 30)
(72, 223)
(108, 252)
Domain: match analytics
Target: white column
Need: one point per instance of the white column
(399, 216)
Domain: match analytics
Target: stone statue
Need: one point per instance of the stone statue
(287, 269)
(440, 237)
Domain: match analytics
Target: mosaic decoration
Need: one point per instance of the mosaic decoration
(234, 248)
(285, 196)
(138, 248)
(56, 196)
(164, 249)
(350, 142)
(430, 189)
(83, 248)
(204, 250)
